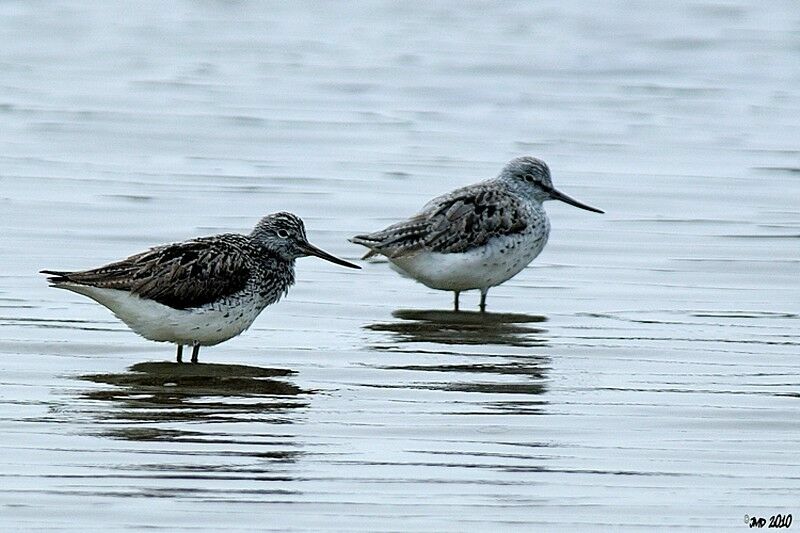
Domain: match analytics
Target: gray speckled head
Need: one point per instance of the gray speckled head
(281, 232)
(530, 177)
(285, 234)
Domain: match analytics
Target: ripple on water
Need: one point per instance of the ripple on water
(655, 387)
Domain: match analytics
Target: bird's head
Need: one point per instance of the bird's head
(285, 234)
(530, 177)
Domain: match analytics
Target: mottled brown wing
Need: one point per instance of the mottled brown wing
(396, 240)
(469, 220)
(181, 275)
(464, 219)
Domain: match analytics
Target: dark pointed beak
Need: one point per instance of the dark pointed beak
(558, 195)
(310, 249)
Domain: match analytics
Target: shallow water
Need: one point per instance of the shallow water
(641, 374)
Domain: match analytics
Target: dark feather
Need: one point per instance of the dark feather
(181, 275)
(457, 222)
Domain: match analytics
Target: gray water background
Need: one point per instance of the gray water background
(641, 374)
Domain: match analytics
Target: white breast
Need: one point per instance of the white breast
(499, 260)
(207, 325)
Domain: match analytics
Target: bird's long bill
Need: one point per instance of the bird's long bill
(558, 195)
(310, 249)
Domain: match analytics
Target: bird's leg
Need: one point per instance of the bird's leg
(180, 353)
(455, 300)
(195, 351)
(484, 292)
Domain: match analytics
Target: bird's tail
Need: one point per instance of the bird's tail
(369, 242)
(56, 276)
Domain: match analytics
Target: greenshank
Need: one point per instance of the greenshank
(202, 291)
(476, 237)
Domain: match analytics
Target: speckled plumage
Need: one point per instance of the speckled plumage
(194, 273)
(202, 291)
(475, 237)
(453, 223)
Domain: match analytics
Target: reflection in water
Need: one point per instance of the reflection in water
(165, 392)
(524, 376)
(519, 374)
(464, 327)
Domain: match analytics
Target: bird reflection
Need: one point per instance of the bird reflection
(511, 383)
(464, 327)
(160, 393)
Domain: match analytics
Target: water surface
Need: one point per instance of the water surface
(641, 374)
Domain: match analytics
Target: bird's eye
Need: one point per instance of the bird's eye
(283, 234)
(529, 178)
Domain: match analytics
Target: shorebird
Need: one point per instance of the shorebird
(476, 237)
(202, 291)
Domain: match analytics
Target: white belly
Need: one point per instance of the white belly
(488, 266)
(205, 326)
